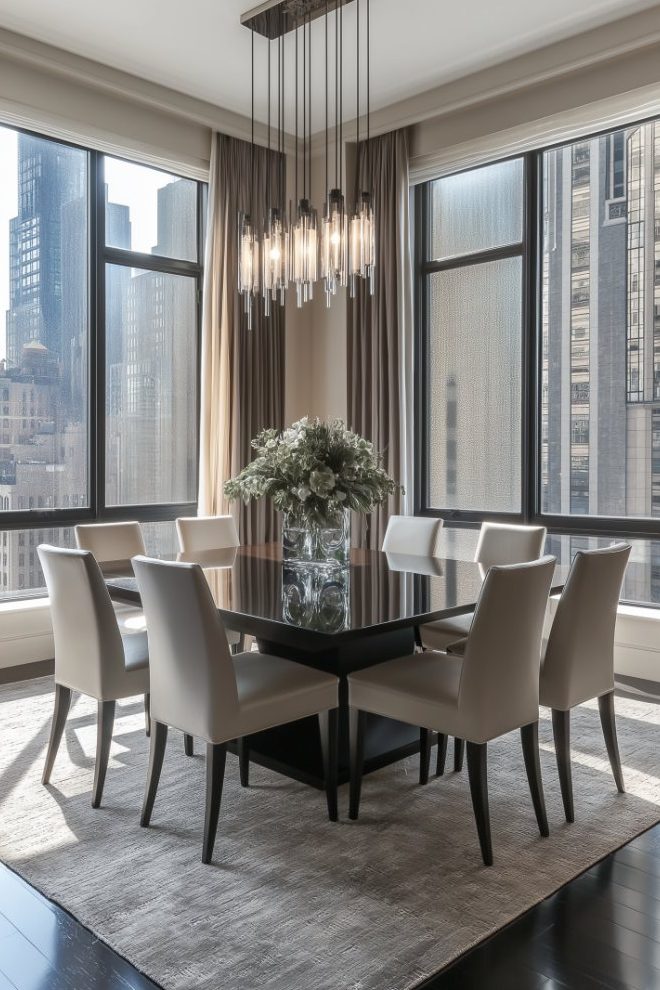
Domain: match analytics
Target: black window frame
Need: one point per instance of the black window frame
(99, 256)
(639, 527)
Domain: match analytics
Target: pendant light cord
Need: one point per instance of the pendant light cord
(252, 132)
(326, 97)
(341, 94)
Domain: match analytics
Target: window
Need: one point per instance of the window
(100, 278)
(471, 293)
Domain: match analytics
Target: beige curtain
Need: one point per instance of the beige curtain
(242, 379)
(380, 329)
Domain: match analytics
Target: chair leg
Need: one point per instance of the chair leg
(329, 730)
(459, 751)
(561, 730)
(608, 722)
(216, 756)
(477, 761)
(357, 727)
(529, 735)
(188, 746)
(147, 715)
(244, 760)
(425, 741)
(105, 725)
(62, 705)
(156, 754)
(442, 755)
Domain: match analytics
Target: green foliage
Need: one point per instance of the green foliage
(313, 472)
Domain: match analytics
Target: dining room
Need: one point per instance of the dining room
(330, 496)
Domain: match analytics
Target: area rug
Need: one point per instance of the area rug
(293, 902)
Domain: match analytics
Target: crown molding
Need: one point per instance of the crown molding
(580, 51)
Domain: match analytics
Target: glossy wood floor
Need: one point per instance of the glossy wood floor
(600, 931)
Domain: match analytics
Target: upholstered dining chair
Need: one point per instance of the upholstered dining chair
(197, 686)
(198, 534)
(416, 535)
(499, 543)
(92, 654)
(578, 659)
(114, 544)
(491, 690)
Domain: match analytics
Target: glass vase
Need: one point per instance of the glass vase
(321, 545)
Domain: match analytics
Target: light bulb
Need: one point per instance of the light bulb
(335, 239)
(275, 254)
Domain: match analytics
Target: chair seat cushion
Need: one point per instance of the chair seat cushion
(421, 689)
(438, 635)
(273, 691)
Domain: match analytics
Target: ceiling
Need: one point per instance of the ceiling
(199, 47)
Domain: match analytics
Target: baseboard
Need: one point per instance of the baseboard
(26, 671)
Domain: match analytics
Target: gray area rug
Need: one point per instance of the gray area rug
(293, 902)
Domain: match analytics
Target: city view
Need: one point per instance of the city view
(150, 345)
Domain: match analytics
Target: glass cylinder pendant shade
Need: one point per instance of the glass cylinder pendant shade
(248, 264)
(333, 244)
(304, 252)
(275, 257)
(362, 245)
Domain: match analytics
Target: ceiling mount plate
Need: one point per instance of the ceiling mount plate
(275, 18)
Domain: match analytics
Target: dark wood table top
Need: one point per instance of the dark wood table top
(257, 593)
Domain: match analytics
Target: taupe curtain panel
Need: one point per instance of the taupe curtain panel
(379, 364)
(242, 377)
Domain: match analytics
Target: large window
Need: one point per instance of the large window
(555, 418)
(471, 289)
(100, 279)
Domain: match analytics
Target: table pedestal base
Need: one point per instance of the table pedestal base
(295, 749)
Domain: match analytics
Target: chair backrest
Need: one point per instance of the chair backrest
(206, 533)
(116, 542)
(192, 680)
(499, 688)
(417, 535)
(503, 543)
(579, 657)
(89, 655)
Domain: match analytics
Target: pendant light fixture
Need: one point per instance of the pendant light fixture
(304, 235)
(248, 242)
(340, 249)
(362, 239)
(275, 275)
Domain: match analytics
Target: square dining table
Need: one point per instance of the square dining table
(333, 619)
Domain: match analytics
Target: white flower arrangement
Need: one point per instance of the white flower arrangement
(313, 472)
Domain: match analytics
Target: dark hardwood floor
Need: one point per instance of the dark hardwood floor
(599, 932)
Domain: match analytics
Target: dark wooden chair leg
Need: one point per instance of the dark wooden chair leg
(477, 761)
(561, 730)
(105, 725)
(329, 731)
(244, 760)
(529, 735)
(216, 757)
(442, 755)
(357, 727)
(156, 754)
(459, 751)
(425, 742)
(188, 745)
(62, 705)
(608, 722)
(147, 714)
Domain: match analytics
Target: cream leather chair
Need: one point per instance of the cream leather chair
(92, 654)
(115, 543)
(578, 661)
(198, 534)
(416, 535)
(206, 533)
(197, 686)
(499, 543)
(491, 690)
